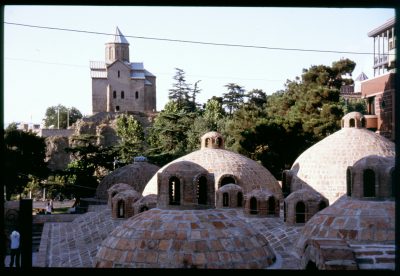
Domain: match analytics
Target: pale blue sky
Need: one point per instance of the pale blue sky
(43, 68)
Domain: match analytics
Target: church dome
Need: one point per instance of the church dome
(213, 239)
(323, 166)
(228, 168)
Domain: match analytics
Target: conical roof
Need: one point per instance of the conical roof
(119, 37)
(361, 77)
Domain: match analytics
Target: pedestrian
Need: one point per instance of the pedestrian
(48, 208)
(15, 249)
(51, 205)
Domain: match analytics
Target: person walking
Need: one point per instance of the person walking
(15, 249)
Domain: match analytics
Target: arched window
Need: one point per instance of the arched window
(227, 180)
(143, 208)
(218, 141)
(348, 181)
(253, 206)
(202, 190)
(352, 122)
(114, 94)
(136, 95)
(117, 108)
(342, 123)
(362, 122)
(121, 209)
(239, 199)
(174, 191)
(300, 212)
(207, 142)
(271, 206)
(369, 183)
(122, 94)
(225, 200)
(321, 205)
(118, 74)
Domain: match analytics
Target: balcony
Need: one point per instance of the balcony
(371, 121)
(380, 60)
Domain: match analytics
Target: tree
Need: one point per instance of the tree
(132, 140)
(167, 137)
(234, 97)
(24, 155)
(273, 145)
(89, 161)
(256, 98)
(61, 117)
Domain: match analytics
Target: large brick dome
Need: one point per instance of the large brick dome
(185, 239)
(323, 166)
(228, 167)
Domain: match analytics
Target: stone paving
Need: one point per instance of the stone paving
(75, 244)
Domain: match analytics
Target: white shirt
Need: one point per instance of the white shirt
(14, 240)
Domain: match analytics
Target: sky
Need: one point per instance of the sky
(44, 68)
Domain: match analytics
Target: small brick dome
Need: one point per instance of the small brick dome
(136, 175)
(352, 220)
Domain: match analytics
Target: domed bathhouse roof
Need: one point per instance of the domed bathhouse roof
(136, 175)
(185, 239)
(228, 167)
(350, 234)
(323, 166)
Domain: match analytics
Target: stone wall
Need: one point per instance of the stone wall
(46, 132)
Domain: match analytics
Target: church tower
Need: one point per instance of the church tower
(117, 49)
(119, 85)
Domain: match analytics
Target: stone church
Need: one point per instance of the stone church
(121, 85)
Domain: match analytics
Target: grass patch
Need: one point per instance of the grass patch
(63, 210)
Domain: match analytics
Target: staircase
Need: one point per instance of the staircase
(37, 229)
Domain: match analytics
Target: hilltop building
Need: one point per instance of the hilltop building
(121, 85)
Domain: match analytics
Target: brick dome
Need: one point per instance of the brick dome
(228, 168)
(136, 175)
(353, 222)
(185, 239)
(323, 166)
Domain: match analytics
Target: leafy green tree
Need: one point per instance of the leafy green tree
(89, 162)
(358, 105)
(61, 116)
(167, 137)
(182, 93)
(132, 140)
(24, 156)
(234, 97)
(213, 113)
(273, 145)
(256, 98)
